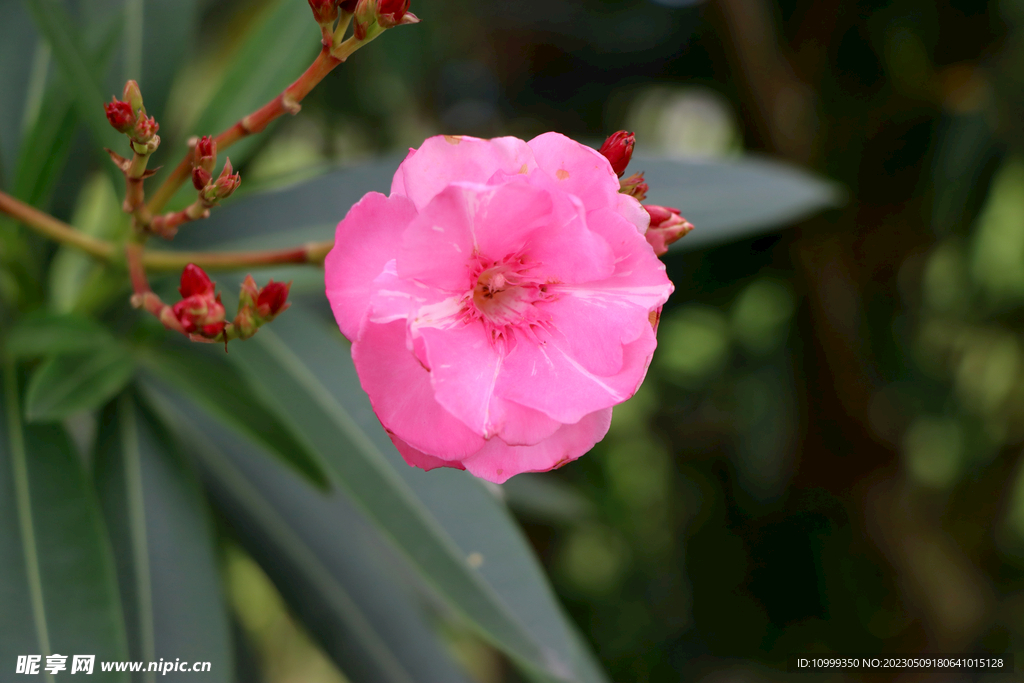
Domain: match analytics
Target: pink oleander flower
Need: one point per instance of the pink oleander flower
(499, 302)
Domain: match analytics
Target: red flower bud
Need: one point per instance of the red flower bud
(667, 226)
(195, 282)
(145, 129)
(324, 11)
(227, 182)
(348, 6)
(120, 115)
(200, 178)
(272, 299)
(391, 12)
(205, 155)
(618, 149)
(634, 186)
(200, 311)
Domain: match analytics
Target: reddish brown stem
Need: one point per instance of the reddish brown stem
(287, 102)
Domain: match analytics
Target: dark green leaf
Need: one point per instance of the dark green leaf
(64, 385)
(335, 573)
(219, 388)
(51, 334)
(58, 591)
(438, 520)
(79, 74)
(275, 51)
(731, 199)
(17, 50)
(168, 38)
(726, 200)
(163, 543)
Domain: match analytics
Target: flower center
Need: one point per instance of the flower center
(501, 295)
(504, 295)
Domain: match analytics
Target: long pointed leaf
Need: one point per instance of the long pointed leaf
(337, 576)
(58, 587)
(218, 387)
(80, 78)
(163, 542)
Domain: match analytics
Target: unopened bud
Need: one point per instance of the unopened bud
(227, 182)
(248, 294)
(618, 149)
(195, 281)
(145, 129)
(205, 155)
(667, 227)
(133, 96)
(347, 6)
(200, 178)
(200, 311)
(272, 299)
(391, 13)
(324, 11)
(120, 115)
(634, 186)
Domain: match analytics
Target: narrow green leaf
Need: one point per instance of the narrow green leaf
(274, 52)
(168, 38)
(335, 573)
(17, 50)
(438, 520)
(161, 532)
(79, 74)
(732, 199)
(59, 591)
(219, 388)
(726, 200)
(64, 385)
(46, 334)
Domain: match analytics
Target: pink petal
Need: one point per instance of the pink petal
(595, 327)
(464, 366)
(439, 246)
(420, 459)
(545, 376)
(365, 241)
(402, 396)
(577, 169)
(444, 159)
(523, 426)
(565, 249)
(497, 461)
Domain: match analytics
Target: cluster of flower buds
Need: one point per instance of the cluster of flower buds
(667, 225)
(200, 313)
(204, 161)
(128, 115)
(372, 17)
(258, 306)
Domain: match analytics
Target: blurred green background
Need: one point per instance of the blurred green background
(825, 457)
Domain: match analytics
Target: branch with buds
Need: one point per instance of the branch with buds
(666, 226)
(200, 314)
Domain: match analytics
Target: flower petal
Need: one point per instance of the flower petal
(402, 396)
(445, 159)
(497, 461)
(546, 377)
(577, 169)
(420, 459)
(365, 241)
